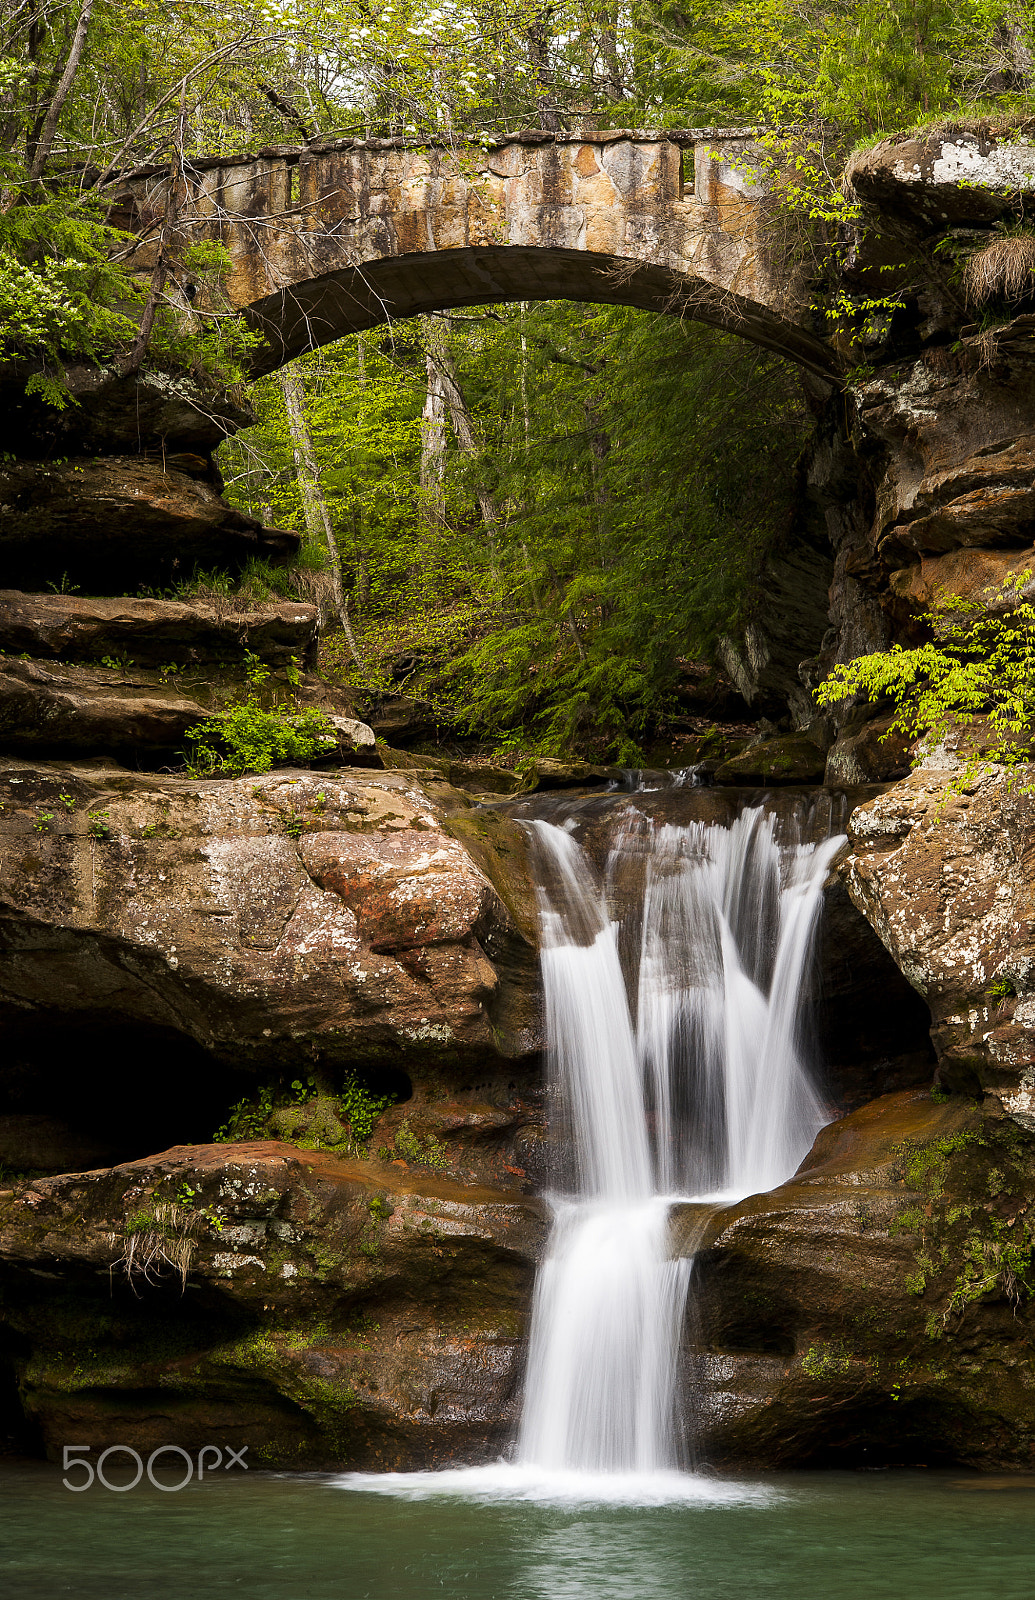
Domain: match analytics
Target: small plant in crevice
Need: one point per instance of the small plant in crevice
(426, 1152)
(157, 1240)
(247, 1119)
(359, 1108)
(41, 824)
(263, 1116)
(99, 825)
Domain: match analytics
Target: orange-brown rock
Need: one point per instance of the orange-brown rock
(272, 920)
(867, 1312)
(993, 580)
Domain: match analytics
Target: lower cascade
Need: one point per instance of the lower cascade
(677, 1068)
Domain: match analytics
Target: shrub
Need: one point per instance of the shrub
(247, 738)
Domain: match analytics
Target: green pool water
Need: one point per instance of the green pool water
(823, 1536)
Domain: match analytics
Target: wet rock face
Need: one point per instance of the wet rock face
(336, 1312)
(946, 879)
(869, 1311)
(273, 921)
(791, 759)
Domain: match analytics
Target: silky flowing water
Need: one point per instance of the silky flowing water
(676, 1073)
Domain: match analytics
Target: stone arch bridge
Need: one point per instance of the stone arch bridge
(339, 236)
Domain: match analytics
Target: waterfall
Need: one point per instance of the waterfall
(676, 1068)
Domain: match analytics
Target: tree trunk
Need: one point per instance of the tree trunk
(60, 95)
(433, 446)
(314, 505)
(440, 359)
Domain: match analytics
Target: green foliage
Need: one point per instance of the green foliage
(978, 665)
(564, 620)
(61, 295)
(245, 737)
(611, 561)
(354, 1104)
(926, 1165)
(427, 1152)
(360, 1108)
(99, 825)
(247, 1119)
(826, 1361)
(996, 1259)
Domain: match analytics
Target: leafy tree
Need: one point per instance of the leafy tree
(610, 485)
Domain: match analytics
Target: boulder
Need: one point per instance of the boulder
(870, 754)
(876, 1309)
(118, 522)
(71, 627)
(324, 1312)
(946, 175)
(357, 745)
(943, 867)
(275, 921)
(792, 758)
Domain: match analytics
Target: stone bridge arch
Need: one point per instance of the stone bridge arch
(334, 237)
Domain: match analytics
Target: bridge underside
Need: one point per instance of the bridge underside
(318, 310)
